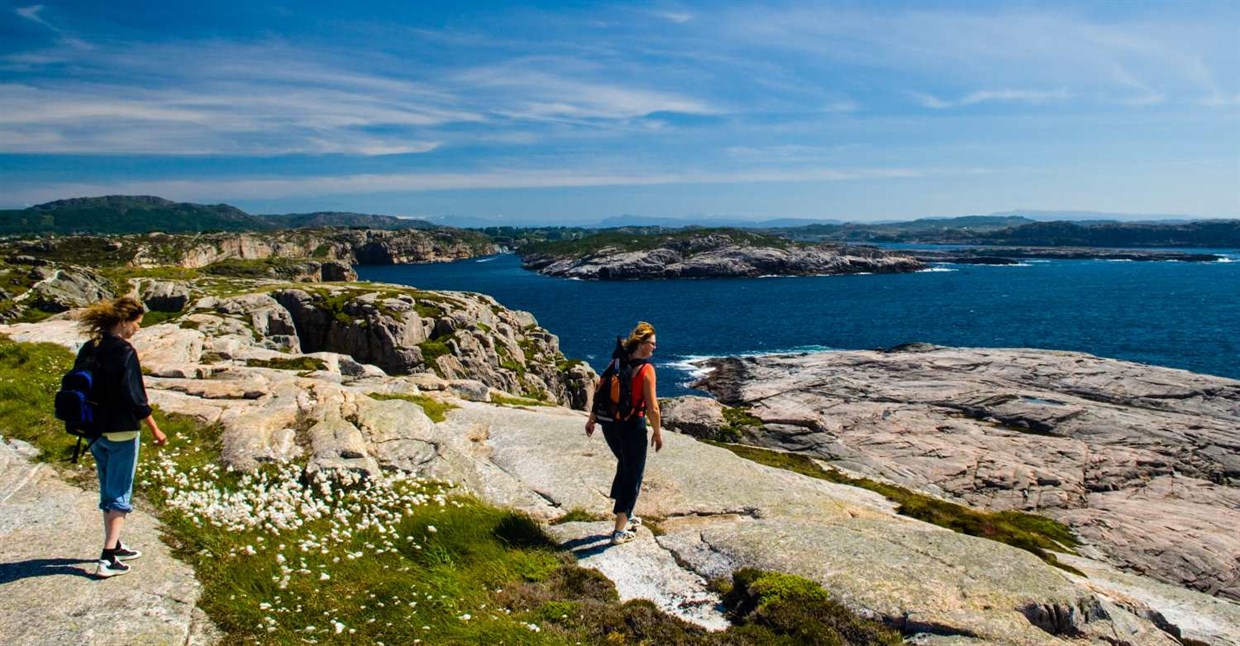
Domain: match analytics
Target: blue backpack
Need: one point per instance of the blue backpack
(75, 405)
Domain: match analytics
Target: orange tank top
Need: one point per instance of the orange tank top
(639, 390)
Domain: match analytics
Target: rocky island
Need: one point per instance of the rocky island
(705, 254)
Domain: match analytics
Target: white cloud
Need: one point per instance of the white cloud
(930, 101)
(212, 98)
(678, 17)
(1163, 52)
(1026, 96)
(1221, 101)
(987, 96)
(274, 188)
(32, 12)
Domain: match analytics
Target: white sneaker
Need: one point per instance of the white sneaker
(634, 523)
(106, 568)
(622, 536)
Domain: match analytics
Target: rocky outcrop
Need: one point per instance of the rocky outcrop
(715, 511)
(351, 247)
(1142, 462)
(163, 295)
(719, 255)
(456, 335)
(700, 417)
(62, 288)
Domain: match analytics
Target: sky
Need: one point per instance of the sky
(570, 112)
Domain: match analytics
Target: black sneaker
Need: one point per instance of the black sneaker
(110, 567)
(124, 553)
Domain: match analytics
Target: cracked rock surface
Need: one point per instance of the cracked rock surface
(50, 535)
(1141, 462)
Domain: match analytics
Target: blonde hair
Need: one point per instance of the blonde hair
(638, 336)
(106, 314)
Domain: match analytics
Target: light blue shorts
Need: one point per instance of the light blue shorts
(116, 463)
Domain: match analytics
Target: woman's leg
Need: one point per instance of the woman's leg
(116, 474)
(630, 471)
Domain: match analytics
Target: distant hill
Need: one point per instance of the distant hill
(125, 214)
(1202, 233)
(320, 219)
(673, 223)
(914, 230)
(120, 214)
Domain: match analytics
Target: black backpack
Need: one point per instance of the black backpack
(613, 397)
(75, 404)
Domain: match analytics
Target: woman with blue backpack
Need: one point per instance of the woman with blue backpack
(120, 407)
(625, 399)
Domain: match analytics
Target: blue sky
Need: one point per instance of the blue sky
(571, 112)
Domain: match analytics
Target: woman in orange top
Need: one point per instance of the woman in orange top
(627, 439)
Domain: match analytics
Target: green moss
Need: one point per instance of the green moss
(434, 348)
(292, 363)
(265, 268)
(739, 423)
(578, 515)
(434, 409)
(153, 317)
(1029, 532)
(565, 365)
(518, 401)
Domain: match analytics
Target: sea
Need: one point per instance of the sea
(1176, 314)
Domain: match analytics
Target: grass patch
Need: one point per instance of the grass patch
(434, 409)
(1029, 532)
(504, 400)
(155, 317)
(434, 348)
(301, 364)
(797, 610)
(278, 268)
(578, 515)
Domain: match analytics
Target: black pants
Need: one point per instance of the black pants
(627, 441)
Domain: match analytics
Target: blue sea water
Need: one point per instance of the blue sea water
(1176, 314)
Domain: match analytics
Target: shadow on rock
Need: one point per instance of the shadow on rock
(10, 572)
(588, 546)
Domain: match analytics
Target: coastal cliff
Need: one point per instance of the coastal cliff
(328, 416)
(724, 254)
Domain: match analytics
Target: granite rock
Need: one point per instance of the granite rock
(1140, 461)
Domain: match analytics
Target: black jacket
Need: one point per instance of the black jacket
(119, 394)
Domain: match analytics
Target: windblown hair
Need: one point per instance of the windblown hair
(106, 314)
(638, 336)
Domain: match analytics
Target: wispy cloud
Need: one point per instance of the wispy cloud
(216, 100)
(678, 17)
(992, 96)
(32, 12)
(268, 188)
(1221, 101)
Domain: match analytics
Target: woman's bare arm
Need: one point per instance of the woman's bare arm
(652, 409)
